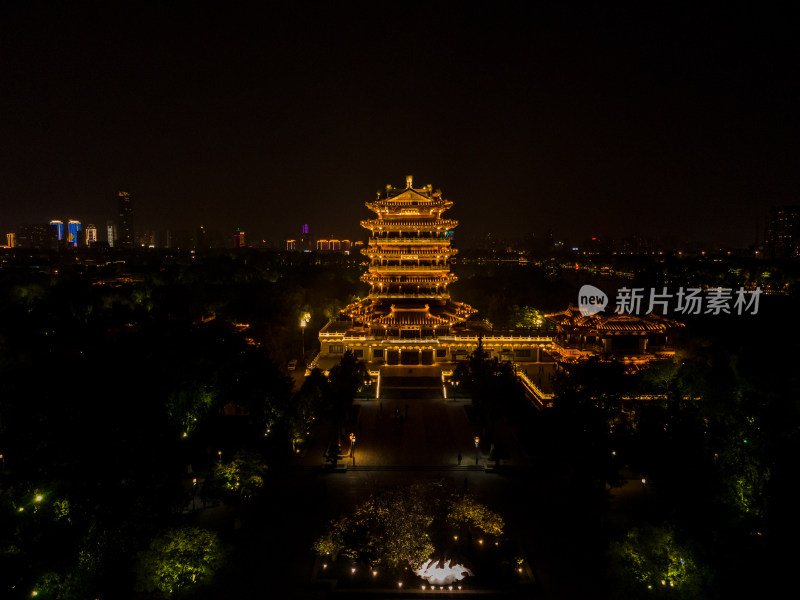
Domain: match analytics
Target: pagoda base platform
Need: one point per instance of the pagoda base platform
(404, 381)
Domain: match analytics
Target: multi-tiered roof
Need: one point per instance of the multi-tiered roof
(409, 272)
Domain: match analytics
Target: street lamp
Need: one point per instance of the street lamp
(353, 447)
(304, 319)
(477, 441)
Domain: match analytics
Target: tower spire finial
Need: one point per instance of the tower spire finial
(409, 181)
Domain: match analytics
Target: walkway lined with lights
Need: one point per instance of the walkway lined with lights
(411, 434)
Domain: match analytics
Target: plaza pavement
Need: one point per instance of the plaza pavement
(417, 432)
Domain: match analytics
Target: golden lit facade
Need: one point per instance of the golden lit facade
(411, 334)
(633, 340)
(409, 270)
(408, 318)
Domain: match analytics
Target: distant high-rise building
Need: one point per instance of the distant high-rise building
(37, 236)
(125, 235)
(201, 239)
(306, 243)
(111, 233)
(783, 233)
(59, 225)
(238, 238)
(73, 232)
(11, 240)
(333, 245)
(291, 244)
(91, 235)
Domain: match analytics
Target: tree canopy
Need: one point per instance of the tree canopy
(399, 526)
(179, 559)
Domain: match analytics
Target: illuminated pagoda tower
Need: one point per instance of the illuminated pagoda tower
(408, 308)
(409, 320)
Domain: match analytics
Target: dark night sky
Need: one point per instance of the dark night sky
(660, 121)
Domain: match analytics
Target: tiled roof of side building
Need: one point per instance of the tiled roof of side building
(572, 317)
(337, 327)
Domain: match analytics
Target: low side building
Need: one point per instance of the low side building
(635, 340)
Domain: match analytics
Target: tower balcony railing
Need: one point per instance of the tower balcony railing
(410, 286)
(385, 203)
(405, 241)
(487, 339)
(440, 295)
(409, 268)
(377, 280)
(422, 252)
(423, 224)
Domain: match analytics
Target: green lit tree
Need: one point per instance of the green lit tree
(179, 559)
(525, 317)
(464, 510)
(391, 528)
(239, 479)
(653, 561)
(400, 526)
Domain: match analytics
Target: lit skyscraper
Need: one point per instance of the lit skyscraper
(306, 243)
(238, 238)
(111, 233)
(783, 233)
(125, 223)
(11, 240)
(91, 234)
(73, 232)
(59, 225)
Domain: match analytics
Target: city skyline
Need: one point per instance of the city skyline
(782, 223)
(658, 121)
